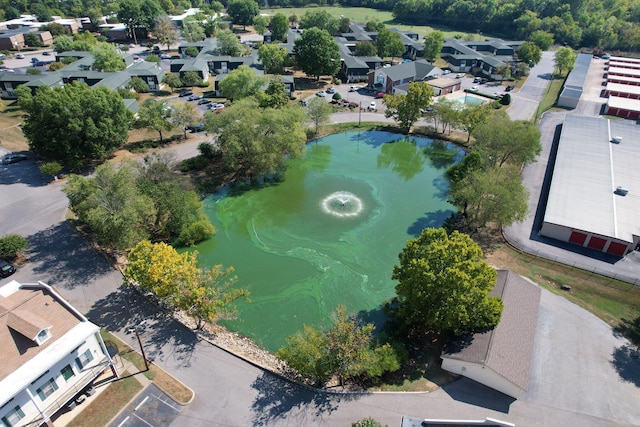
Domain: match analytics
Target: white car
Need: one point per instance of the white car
(321, 94)
(373, 106)
(446, 71)
(474, 87)
(19, 56)
(459, 75)
(355, 88)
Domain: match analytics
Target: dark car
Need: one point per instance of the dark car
(196, 128)
(13, 158)
(185, 93)
(6, 269)
(509, 88)
(46, 53)
(204, 101)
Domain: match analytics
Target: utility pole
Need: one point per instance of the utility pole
(144, 357)
(360, 113)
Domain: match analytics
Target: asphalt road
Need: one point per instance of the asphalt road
(582, 373)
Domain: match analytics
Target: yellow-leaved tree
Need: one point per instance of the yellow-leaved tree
(175, 279)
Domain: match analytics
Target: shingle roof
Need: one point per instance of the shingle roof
(507, 348)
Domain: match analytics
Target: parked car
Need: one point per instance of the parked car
(605, 56)
(185, 93)
(474, 87)
(6, 269)
(193, 97)
(13, 158)
(459, 75)
(321, 94)
(446, 71)
(303, 102)
(509, 88)
(46, 53)
(372, 106)
(426, 110)
(331, 90)
(379, 95)
(216, 106)
(19, 56)
(196, 128)
(477, 80)
(204, 101)
(483, 80)
(165, 56)
(355, 88)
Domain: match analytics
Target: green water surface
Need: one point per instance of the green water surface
(298, 259)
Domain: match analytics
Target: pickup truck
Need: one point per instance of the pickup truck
(35, 62)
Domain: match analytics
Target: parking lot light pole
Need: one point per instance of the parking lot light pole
(359, 113)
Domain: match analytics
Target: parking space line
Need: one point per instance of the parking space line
(141, 403)
(166, 402)
(150, 425)
(123, 421)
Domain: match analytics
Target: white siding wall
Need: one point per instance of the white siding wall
(555, 231)
(77, 382)
(483, 375)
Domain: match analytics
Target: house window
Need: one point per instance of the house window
(13, 417)
(47, 389)
(43, 336)
(84, 359)
(67, 372)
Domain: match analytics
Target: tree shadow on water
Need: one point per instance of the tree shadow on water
(429, 220)
(279, 399)
(626, 361)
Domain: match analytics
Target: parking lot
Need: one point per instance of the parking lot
(152, 408)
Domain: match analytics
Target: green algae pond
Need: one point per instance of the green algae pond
(329, 232)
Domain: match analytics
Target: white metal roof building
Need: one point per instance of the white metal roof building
(574, 84)
(594, 198)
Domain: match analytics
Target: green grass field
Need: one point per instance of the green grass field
(363, 15)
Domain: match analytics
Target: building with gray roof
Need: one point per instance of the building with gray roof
(386, 79)
(482, 57)
(594, 197)
(501, 357)
(574, 85)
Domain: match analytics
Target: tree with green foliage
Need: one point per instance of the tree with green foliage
(347, 351)
(470, 162)
(374, 26)
(274, 96)
(256, 141)
(55, 66)
(530, 53)
(433, 43)
(389, 44)
(241, 82)
(184, 114)
(279, 27)
(228, 44)
(565, 59)
(443, 285)
(405, 108)
(153, 58)
(448, 112)
(172, 80)
(63, 44)
(320, 19)
(293, 19)
(366, 422)
(273, 58)
(192, 31)
(191, 51)
(33, 71)
(74, 124)
(139, 16)
(191, 78)
(317, 53)
(32, 40)
(165, 31)
(51, 168)
(155, 115)
(55, 29)
(503, 141)
(179, 217)
(365, 49)
(319, 112)
(260, 24)
(107, 58)
(344, 25)
(491, 195)
(242, 12)
(542, 39)
(11, 245)
(111, 206)
(474, 116)
(41, 11)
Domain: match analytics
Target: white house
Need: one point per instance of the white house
(50, 354)
(501, 357)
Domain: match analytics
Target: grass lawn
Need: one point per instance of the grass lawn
(550, 97)
(107, 405)
(363, 15)
(11, 136)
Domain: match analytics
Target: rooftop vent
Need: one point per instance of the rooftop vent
(617, 139)
(621, 191)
